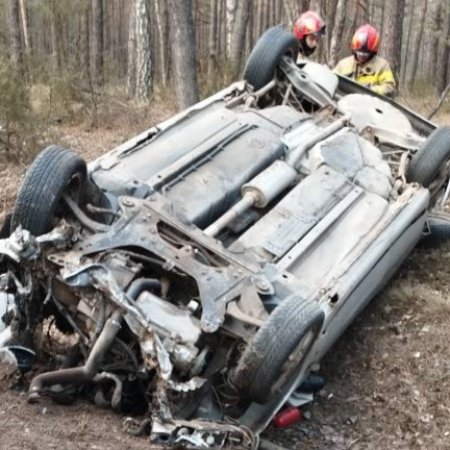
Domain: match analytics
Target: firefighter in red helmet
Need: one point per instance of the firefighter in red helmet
(308, 29)
(365, 66)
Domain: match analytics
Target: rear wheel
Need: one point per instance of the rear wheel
(274, 357)
(266, 55)
(439, 229)
(54, 173)
(430, 165)
(6, 227)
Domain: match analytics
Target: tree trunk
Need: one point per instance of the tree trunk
(417, 42)
(16, 45)
(434, 40)
(131, 63)
(250, 35)
(123, 17)
(272, 12)
(143, 61)
(98, 42)
(338, 31)
(26, 35)
(266, 14)
(161, 22)
(443, 72)
(221, 28)
(212, 40)
(86, 43)
(183, 53)
(260, 19)
(406, 52)
(238, 35)
(291, 11)
(331, 20)
(391, 42)
(55, 50)
(362, 12)
(231, 6)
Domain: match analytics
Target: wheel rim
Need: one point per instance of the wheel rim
(294, 361)
(74, 187)
(441, 179)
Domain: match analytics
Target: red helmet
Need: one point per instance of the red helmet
(309, 23)
(366, 39)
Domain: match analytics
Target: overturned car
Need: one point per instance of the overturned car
(196, 273)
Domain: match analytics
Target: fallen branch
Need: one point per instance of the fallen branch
(441, 101)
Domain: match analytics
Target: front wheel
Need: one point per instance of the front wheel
(275, 356)
(54, 173)
(430, 165)
(438, 230)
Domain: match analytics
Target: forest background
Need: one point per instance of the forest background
(87, 61)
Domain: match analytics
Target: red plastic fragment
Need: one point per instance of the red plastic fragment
(287, 417)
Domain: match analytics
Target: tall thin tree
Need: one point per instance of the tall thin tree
(238, 34)
(391, 42)
(338, 30)
(443, 69)
(98, 41)
(16, 43)
(184, 59)
(417, 41)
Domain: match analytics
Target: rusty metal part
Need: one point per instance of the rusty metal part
(400, 180)
(217, 285)
(258, 192)
(79, 374)
(294, 157)
(98, 210)
(195, 434)
(90, 224)
(136, 428)
(246, 202)
(116, 398)
(255, 96)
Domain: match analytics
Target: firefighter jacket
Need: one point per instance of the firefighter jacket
(375, 74)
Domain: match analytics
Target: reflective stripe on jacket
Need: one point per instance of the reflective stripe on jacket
(375, 74)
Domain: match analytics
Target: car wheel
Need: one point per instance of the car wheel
(267, 53)
(55, 172)
(439, 229)
(6, 227)
(431, 160)
(276, 353)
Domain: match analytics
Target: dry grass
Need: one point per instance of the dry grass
(424, 104)
(118, 120)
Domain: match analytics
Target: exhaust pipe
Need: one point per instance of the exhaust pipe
(82, 374)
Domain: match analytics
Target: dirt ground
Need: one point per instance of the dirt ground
(388, 378)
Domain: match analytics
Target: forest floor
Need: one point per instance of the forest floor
(387, 378)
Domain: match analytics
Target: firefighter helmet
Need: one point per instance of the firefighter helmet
(366, 39)
(309, 23)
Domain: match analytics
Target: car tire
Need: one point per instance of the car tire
(5, 231)
(426, 164)
(264, 369)
(267, 53)
(55, 172)
(439, 229)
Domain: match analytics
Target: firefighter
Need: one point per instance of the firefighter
(308, 29)
(365, 66)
